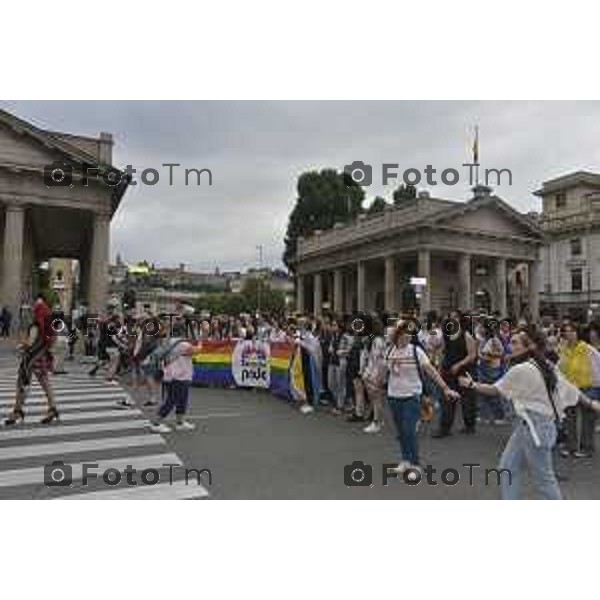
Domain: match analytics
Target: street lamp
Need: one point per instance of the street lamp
(259, 282)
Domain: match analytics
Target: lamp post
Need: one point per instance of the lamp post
(259, 282)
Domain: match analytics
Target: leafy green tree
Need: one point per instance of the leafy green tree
(403, 193)
(377, 206)
(324, 197)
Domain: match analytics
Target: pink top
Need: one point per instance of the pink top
(179, 363)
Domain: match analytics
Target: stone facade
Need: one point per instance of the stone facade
(571, 256)
(39, 222)
(468, 253)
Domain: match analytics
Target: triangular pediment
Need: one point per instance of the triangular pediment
(488, 215)
(23, 144)
(24, 151)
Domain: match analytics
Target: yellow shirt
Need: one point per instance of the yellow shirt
(576, 365)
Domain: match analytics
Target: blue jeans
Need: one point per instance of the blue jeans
(521, 452)
(175, 397)
(406, 413)
(491, 407)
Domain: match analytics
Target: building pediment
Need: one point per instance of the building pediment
(24, 152)
(488, 215)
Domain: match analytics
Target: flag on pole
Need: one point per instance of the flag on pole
(476, 146)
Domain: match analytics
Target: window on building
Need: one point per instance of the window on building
(561, 200)
(576, 280)
(576, 247)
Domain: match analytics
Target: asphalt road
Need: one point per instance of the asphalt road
(258, 447)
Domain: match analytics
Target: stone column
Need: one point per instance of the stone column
(97, 295)
(390, 284)
(318, 295)
(338, 291)
(535, 287)
(424, 269)
(501, 304)
(360, 286)
(300, 293)
(465, 299)
(12, 268)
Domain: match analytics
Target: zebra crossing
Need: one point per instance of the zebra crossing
(94, 429)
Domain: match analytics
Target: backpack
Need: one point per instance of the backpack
(159, 359)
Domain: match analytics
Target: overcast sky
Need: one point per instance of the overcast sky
(256, 150)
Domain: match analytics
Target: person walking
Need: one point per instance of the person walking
(540, 395)
(36, 359)
(5, 321)
(146, 351)
(407, 364)
(177, 376)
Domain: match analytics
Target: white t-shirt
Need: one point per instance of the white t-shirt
(404, 379)
(524, 386)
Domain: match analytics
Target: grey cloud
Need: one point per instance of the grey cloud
(257, 149)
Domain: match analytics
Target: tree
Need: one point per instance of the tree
(271, 301)
(403, 193)
(323, 198)
(377, 206)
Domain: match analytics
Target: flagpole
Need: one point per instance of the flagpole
(476, 154)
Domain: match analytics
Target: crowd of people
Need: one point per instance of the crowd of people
(543, 377)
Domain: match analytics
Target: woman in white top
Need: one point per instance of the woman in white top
(540, 395)
(407, 365)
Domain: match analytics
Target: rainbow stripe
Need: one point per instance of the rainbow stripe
(212, 365)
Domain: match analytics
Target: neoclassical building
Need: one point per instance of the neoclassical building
(571, 256)
(39, 222)
(479, 255)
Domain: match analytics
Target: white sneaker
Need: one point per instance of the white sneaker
(159, 428)
(401, 467)
(499, 421)
(185, 426)
(306, 409)
(373, 427)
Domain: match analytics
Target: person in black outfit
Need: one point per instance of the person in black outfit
(5, 320)
(324, 335)
(459, 358)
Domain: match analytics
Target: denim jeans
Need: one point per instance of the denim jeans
(490, 407)
(175, 397)
(521, 453)
(406, 413)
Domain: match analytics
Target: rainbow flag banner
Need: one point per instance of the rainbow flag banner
(223, 364)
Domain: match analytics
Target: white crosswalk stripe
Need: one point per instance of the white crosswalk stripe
(92, 428)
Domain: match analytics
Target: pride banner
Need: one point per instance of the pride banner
(216, 362)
